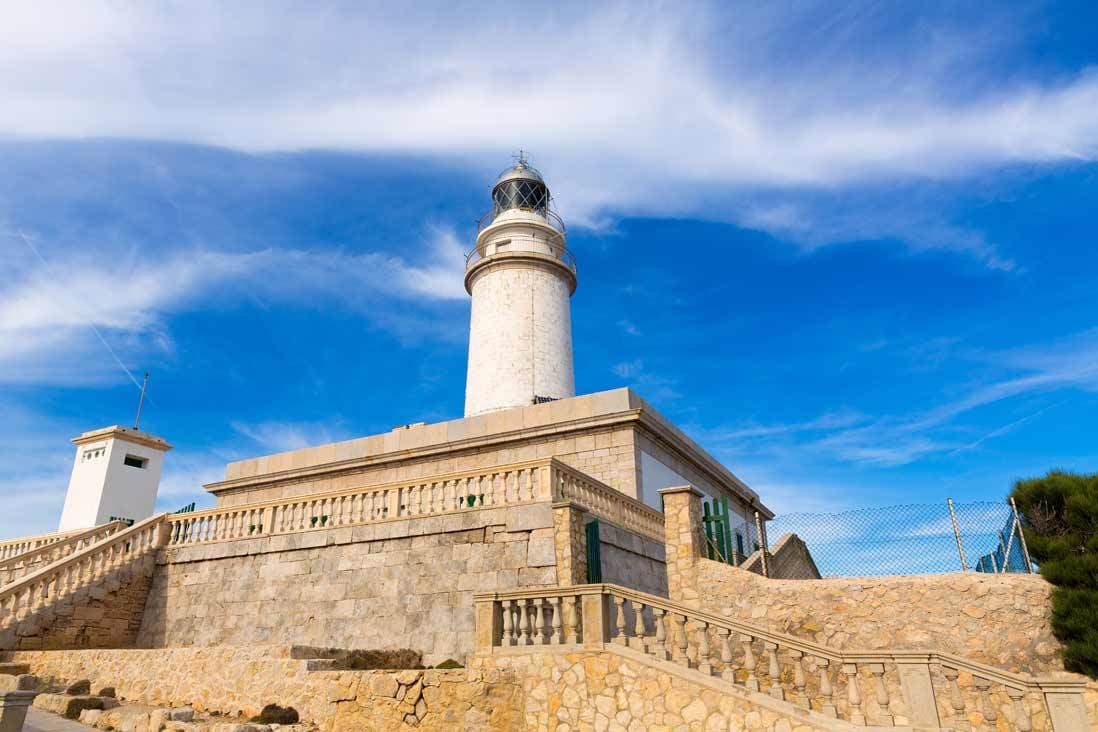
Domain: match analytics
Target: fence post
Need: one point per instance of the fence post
(1021, 535)
(957, 535)
(762, 542)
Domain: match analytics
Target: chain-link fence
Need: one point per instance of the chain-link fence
(912, 539)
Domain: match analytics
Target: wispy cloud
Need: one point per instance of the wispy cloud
(895, 440)
(283, 436)
(747, 130)
(53, 314)
(639, 376)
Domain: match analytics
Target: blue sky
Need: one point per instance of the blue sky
(850, 250)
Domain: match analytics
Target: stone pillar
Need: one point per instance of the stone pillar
(596, 626)
(16, 694)
(571, 544)
(682, 542)
(488, 623)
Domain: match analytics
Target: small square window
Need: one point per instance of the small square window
(135, 462)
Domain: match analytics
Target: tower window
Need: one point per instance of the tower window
(136, 462)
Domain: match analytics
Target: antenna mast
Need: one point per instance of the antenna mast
(141, 401)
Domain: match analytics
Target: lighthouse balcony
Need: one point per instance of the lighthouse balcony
(505, 248)
(537, 216)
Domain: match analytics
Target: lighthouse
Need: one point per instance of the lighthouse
(521, 277)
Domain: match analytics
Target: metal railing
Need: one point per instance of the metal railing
(557, 251)
(551, 218)
(865, 687)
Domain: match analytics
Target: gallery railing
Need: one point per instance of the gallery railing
(13, 547)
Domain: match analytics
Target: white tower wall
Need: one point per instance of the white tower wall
(104, 485)
(520, 338)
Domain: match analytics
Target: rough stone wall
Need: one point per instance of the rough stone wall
(399, 584)
(682, 542)
(570, 544)
(107, 615)
(999, 620)
(242, 680)
(603, 690)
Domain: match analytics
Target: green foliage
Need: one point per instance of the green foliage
(1060, 520)
(449, 663)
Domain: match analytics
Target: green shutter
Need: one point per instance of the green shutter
(594, 553)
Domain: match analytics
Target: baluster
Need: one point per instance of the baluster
(885, 714)
(799, 697)
(1022, 721)
(524, 620)
(557, 625)
(986, 704)
(683, 655)
(639, 631)
(773, 670)
(752, 681)
(508, 623)
(853, 695)
(704, 664)
(619, 620)
(539, 621)
(658, 646)
(727, 672)
(956, 699)
(571, 619)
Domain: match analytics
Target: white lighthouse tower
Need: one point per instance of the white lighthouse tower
(521, 277)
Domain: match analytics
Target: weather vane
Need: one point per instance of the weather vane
(521, 159)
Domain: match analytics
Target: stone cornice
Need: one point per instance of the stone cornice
(124, 434)
(654, 427)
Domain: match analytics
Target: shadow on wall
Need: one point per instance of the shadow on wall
(789, 559)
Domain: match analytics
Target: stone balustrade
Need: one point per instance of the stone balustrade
(87, 567)
(603, 501)
(875, 688)
(514, 484)
(14, 547)
(21, 564)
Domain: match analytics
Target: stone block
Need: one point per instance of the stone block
(65, 705)
(541, 552)
(530, 517)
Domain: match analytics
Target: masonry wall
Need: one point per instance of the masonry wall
(105, 616)
(999, 620)
(242, 680)
(390, 585)
(632, 560)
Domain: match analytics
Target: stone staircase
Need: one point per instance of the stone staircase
(84, 569)
(812, 683)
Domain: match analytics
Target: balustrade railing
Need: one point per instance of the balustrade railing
(14, 547)
(43, 587)
(19, 565)
(606, 502)
(925, 688)
(527, 482)
(430, 496)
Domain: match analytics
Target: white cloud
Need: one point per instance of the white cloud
(282, 436)
(652, 109)
(52, 313)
